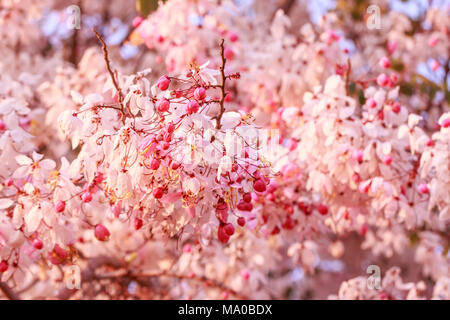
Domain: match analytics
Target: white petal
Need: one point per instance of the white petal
(76, 97)
(5, 203)
(23, 160)
(230, 119)
(47, 164)
(445, 214)
(32, 219)
(37, 156)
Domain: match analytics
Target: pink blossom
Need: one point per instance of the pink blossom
(163, 83)
(101, 232)
(423, 188)
(385, 63)
(382, 80)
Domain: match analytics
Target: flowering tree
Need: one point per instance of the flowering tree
(243, 151)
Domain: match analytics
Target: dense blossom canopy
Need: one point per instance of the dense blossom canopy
(224, 150)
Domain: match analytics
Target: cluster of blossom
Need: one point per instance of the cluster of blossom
(392, 287)
(239, 177)
(284, 64)
(369, 145)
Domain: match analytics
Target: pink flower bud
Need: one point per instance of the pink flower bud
(228, 53)
(200, 93)
(2, 125)
(187, 248)
(435, 65)
(396, 107)
(222, 235)
(163, 105)
(322, 209)
(86, 197)
(60, 206)
(445, 123)
(37, 244)
(247, 197)
(4, 266)
(244, 206)
(192, 107)
(158, 193)
(9, 182)
(357, 155)
(165, 145)
(385, 63)
(392, 46)
(138, 223)
(393, 78)
(101, 232)
(233, 36)
(387, 159)
(163, 83)
(154, 165)
(241, 221)
(259, 185)
(229, 229)
(382, 80)
(160, 39)
(245, 275)
(228, 97)
(423, 188)
(371, 103)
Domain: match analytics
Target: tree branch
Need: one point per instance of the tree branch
(222, 84)
(347, 75)
(88, 274)
(111, 73)
(159, 274)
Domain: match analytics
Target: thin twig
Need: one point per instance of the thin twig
(111, 73)
(222, 84)
(347, 75)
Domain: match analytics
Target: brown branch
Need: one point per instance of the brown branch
(73, 58)
(222, 84)
(8, 292)
(446, 73)
(347, 75)
(111, 73)
(88, 274)
(159, 274)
